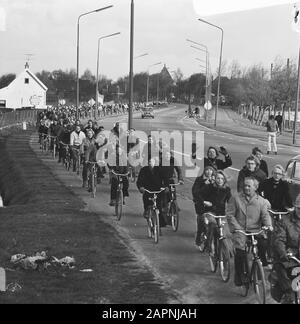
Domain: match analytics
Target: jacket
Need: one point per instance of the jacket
(77, 139)
(277, 194)
(150, 179)
(258, 174)
(169, 172)
(218, 164)
(287, 239)
(199, 191)
(246, 215)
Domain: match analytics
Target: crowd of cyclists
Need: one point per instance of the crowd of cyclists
(259, 191)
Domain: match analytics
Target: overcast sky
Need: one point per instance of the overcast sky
(47, 29)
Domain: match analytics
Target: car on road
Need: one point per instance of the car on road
(147, 112)
(293, 176)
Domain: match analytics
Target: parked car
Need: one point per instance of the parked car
(147, 112)
(293, 176)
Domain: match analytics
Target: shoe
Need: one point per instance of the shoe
(268, 152)
(112, 203)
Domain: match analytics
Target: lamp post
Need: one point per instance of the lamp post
(147, 96)
(297, 103)
(220, 64)
(204, 49)
(97, 78)
(78, 21)
(130, 110)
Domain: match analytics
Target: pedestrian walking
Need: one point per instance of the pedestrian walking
(279, 120)
(272, 129)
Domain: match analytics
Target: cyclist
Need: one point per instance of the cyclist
(90, 126)
(276, 190)
(76, 140)
(198, 191)
(101, 141)
(213, 160)
(251, 169)
(150, 178)
(55, 129)
(169, 171)
(287, 240)
(249, 212)
(263, 164)
(89, 150)
(118, 164)
(63, 137)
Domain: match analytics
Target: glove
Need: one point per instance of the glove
(142, 190)
(223, 151)
(181, 182)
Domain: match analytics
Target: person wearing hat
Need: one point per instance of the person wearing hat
(287, 240)
(213, 160)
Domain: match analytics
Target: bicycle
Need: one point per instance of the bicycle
(219, 255)
(276, 219)
(296, 281)
(92, 181)
(153, 225)
(77, 160)
(45, 143)
(173, 211)
(255, 275)
(67, 159)
(119, 196)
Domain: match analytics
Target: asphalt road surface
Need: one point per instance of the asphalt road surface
(175, 260)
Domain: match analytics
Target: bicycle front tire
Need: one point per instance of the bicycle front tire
(213, 255)
(174, 214)
(259, 282)
(119, 205)
(224, 257)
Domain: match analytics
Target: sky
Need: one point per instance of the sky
(48, 28)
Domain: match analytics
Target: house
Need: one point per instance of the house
(25, 91)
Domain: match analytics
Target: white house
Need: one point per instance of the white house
(25, 91)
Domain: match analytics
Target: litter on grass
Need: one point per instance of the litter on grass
(41, 261)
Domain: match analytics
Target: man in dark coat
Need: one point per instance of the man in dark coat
(213, 160)
(287, 240)
(276, 190)
(251, 169)
(150, 178)
(279, 120)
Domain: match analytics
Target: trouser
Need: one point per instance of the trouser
(283, 274)
(241, 261)
(272, 139)
(147, 203)
(201, 228)
(114, 187)
(75, 156)
(280, 128)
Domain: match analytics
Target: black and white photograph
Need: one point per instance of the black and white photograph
(149, 155)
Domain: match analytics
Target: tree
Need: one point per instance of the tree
(6, 79)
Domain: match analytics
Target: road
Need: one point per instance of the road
(175, 260)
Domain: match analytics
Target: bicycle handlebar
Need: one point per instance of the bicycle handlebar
(155, 192)
(277, 213)
(214, 216)
(292, 257)
(249, 234)
(120, 175)
(174, 184)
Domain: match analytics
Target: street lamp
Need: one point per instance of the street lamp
(98, 54)
(147, 96)
(130, 110)
(204, 49)
(85, 14)
(220, 63)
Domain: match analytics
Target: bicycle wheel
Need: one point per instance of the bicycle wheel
(119, 204)
(78, 164)
(94, 187)
(156, 226)
(213, 255)
(150, 228)
(224, 256)
(174, 214)
(259, 282)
